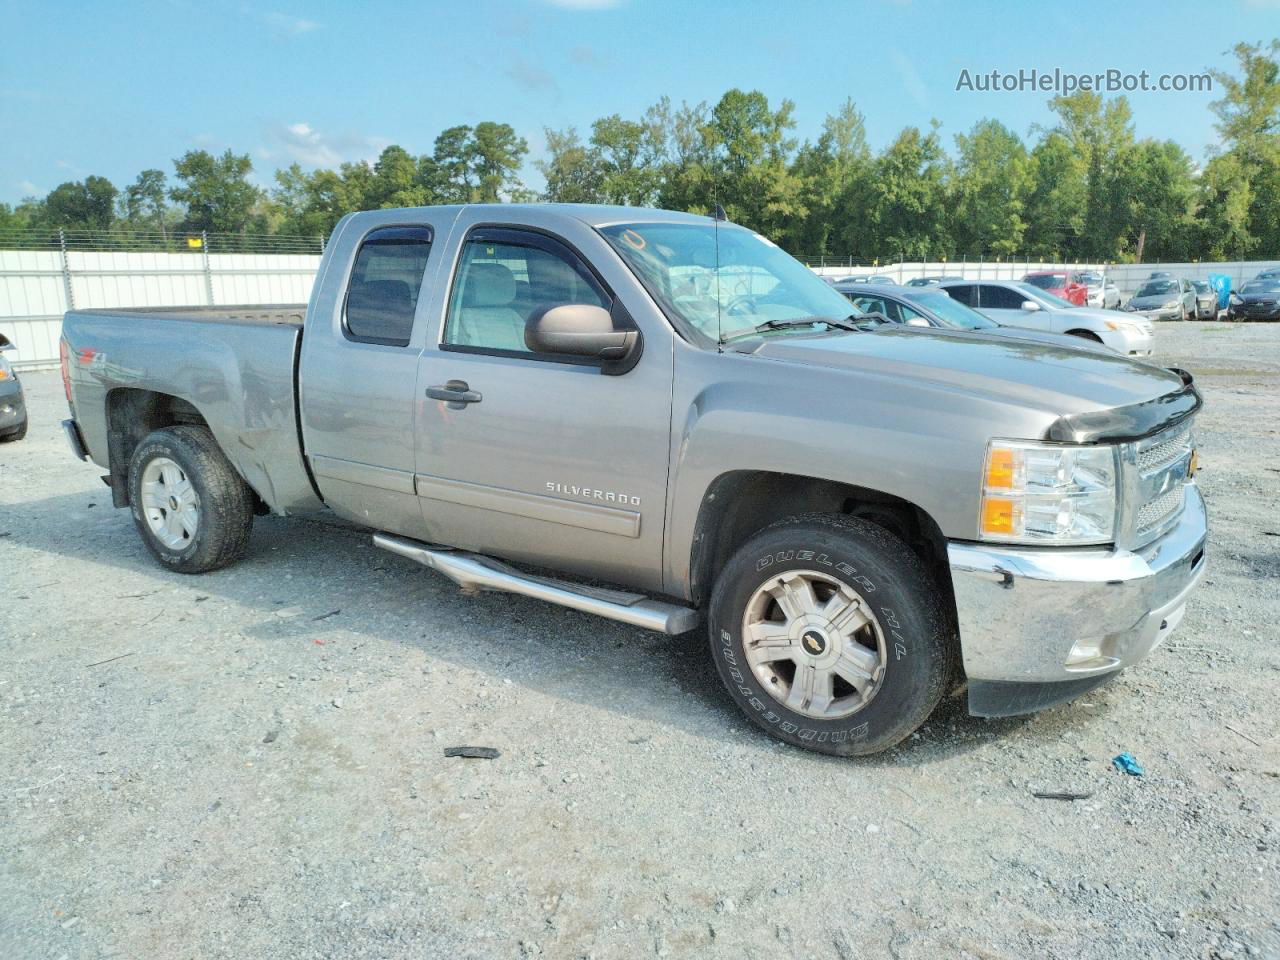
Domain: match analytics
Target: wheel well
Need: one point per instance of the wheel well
(740, 504)
(131, 415)
(1086, 334)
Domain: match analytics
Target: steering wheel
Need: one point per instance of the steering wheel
(742, 300)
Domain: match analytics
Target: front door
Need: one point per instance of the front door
(1004, 305)
(536, 458)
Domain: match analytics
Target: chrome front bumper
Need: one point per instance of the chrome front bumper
(1061, 615)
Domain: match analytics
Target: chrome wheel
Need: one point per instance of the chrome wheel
(170, 503)
(814, 644)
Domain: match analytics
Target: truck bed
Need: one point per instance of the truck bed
(236, 365)
(285, 315)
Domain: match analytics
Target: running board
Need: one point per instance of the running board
(474, 572)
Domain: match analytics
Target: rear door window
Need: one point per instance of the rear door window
(1001, 298)
(386, 280)
(965, 293)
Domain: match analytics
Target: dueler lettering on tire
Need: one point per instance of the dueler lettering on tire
(829, 634)
(193, 510)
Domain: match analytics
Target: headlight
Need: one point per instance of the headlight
(1171, 305)
(1048, 493)
(1130, 307)
(1121, 326)
(6, 371)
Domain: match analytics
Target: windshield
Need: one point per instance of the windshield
(725, 286)
(1157, 288)
(1200, 285)
(1261, 286)
(952, 313)
(1046, 281)
(1091, 279)
(1044, 298)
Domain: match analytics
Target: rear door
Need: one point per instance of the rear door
(544, 459)
(1004, 305)
(359, 367)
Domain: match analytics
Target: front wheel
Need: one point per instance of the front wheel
(830, 634)
(193, 510)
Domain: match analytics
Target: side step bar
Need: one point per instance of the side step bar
(474, 572)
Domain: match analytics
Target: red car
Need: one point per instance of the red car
(1065, 285)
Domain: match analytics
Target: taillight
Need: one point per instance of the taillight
(64, 361)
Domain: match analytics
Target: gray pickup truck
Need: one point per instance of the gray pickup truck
(663, 419)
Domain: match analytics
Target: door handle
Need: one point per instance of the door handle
(456, 393)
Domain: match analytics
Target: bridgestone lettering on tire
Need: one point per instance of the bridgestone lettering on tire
(829, 633)
(193, 510)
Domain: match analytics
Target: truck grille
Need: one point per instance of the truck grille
(1154, 513)
(1155, 488)
(1164, 453)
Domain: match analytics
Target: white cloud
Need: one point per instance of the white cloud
(284, 24)
(531, 76)
(585, 4)
(302, 143)
(29, 189)
(912, 82)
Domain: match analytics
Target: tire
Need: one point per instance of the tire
(209, 526)
(915, 650)
(17, 433)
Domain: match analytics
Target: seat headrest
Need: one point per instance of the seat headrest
(489, 285)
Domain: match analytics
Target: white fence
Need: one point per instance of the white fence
(38, 286)
(1128, 277)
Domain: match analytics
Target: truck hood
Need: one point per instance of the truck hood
(1059, 381)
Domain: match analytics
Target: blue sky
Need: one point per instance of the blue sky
(114, 88)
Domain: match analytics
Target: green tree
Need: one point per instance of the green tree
(992, 183)
(570, 169)
(907, 198)
(455, 161)
(1155, 189)
(216, 191)
(833, 174)
(146, 200)
(496, 154)
(81, 205)
(1241, 204)
(1055, 210)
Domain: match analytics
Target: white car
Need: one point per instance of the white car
(1103, 293)
(1017, 304)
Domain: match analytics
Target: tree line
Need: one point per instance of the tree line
(1083, 188)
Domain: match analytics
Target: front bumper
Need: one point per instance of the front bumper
(1162, 314)
(1040, 618)
(1129, 343)
(13, 408)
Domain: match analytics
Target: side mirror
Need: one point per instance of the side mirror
(917, 322)
(1030, 306)
(5, 342)
(585, 330)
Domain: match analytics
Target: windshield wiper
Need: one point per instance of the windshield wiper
(849, 323)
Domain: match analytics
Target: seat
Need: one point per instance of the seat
(380, 309)
(486, 317)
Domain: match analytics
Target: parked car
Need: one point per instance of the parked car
(1272, 273)
(13, 406)
(1164, 298)
(870, 278)
(1099, 291)
(1065, 285)
(1256, 300)
(1159, 275)
(1206, 300)
(676, 406)
(929, 281)
(1015, 304)
(934, 307)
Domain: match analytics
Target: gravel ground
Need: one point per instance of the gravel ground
(249, 763)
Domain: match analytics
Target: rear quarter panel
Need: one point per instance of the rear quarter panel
(239, 376)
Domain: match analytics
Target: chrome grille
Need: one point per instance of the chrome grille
(1154, 512)
(1164, 453)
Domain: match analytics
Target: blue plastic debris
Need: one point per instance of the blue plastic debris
(1126, 763)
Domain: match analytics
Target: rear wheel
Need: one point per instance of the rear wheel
(193, 510)
(829, 633)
